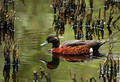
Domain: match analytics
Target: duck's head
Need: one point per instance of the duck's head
(54, 39)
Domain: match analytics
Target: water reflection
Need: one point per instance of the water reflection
(70, 58)
(15, 73)
(73, 58)
(109, 69)
(6, 73)
(8, 43)
(52, 64)
(10, 47)
(7, 40)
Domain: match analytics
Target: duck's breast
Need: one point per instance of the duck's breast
(82, 49)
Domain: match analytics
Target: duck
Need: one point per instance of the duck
(72, 47)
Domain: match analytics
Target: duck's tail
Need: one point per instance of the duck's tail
(103, 42)
(96, 47)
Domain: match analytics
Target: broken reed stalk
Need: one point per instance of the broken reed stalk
(91, 4)
(104, 14)
(72, 77)
(35, 76)
(99, 13)
(118, 65)
(98, 24)
(115, 70)
(108, 25)
(40, 75)
(100, 68)
(110, 43)
(92, 78)
(114, 23)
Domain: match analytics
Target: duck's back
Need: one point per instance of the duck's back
(91, 43)
(72, 43)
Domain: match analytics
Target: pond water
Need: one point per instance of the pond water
(32, 25)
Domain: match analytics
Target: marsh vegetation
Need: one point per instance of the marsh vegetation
(24, 25)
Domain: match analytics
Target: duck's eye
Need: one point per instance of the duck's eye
(56, 38)
(51, 38)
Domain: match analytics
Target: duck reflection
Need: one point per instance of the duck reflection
(70, 58)
(73, 58)
(52, 64)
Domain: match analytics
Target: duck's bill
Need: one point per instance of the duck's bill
(46, 42)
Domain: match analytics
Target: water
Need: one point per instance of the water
(33, 25)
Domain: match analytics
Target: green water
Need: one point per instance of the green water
(33, 25)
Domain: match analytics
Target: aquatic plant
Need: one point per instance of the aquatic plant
(75, 12)
(7, 17)
(40, 75)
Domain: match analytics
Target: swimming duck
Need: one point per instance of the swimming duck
(72, 47)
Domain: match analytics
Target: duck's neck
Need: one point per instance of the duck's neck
(55, 44)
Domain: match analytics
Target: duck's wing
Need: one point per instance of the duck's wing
(73, 43)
